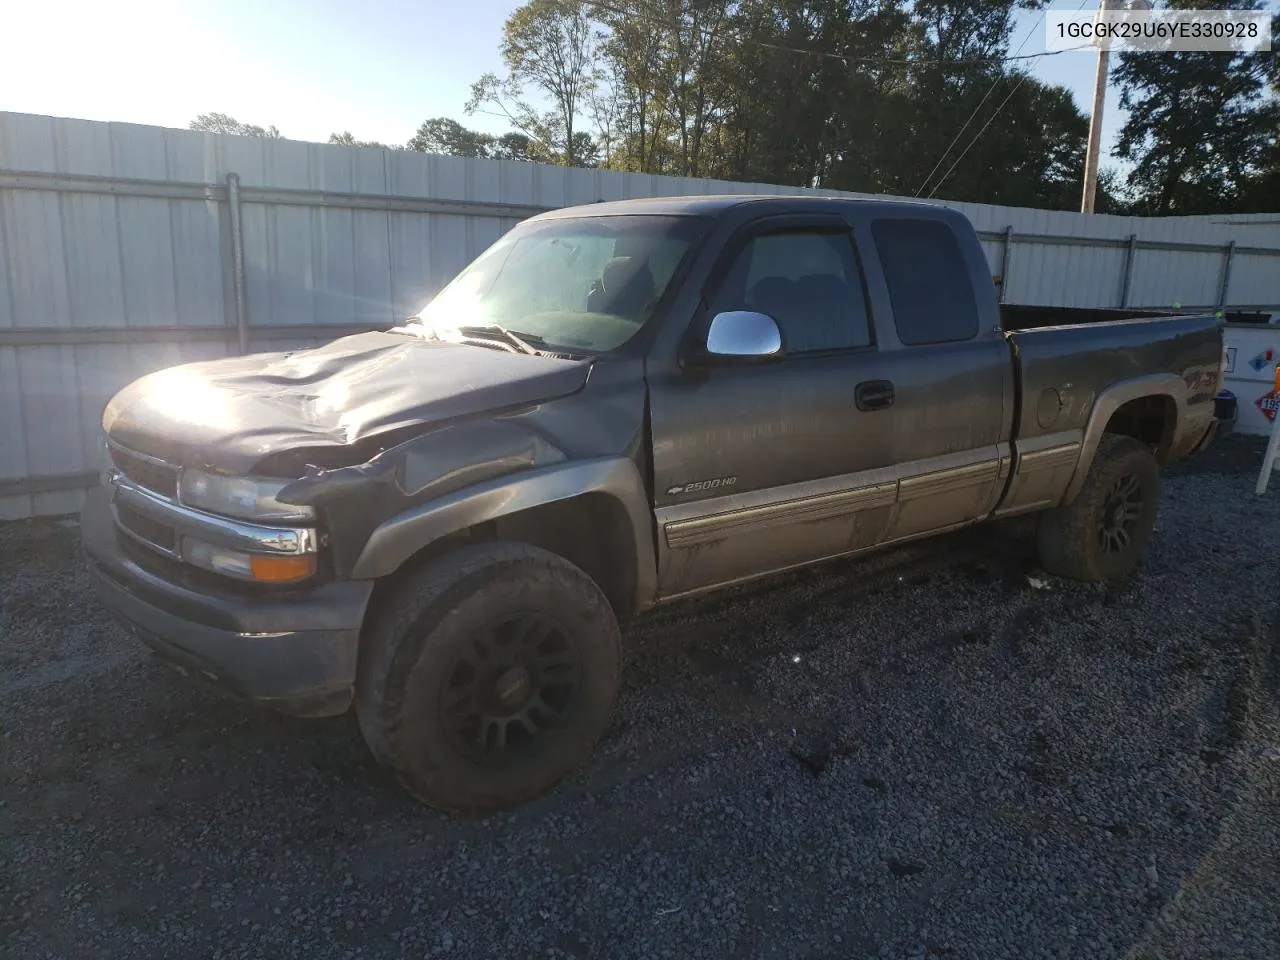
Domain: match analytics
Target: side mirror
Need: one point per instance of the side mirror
(743, 335)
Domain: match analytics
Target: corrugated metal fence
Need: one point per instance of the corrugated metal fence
(124, 249)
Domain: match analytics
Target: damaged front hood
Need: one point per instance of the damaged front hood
(230, 413)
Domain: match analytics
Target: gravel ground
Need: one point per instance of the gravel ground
(935, 752)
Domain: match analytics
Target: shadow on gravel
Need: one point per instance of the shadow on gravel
(1236, 453)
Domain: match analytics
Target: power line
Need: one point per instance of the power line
(990, 90)
(977, 136)
(910, 61)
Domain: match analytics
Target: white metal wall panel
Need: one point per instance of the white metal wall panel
(101, 370)
(26, 142)
(994, 251)
(201, 287)
(74, 260)
(1254, 279)
(1162, 278)
(255, 226)
(89, 234)
(13, 436)
(287, 272)
(410, 268)
(371, 295)
(1061, 275)
(37, 272)
(1257, 229)
(47, 385)
(7, 318)
(147, 258)
(51, 410)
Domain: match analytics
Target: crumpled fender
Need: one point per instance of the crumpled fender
(397, 539)
(357, 499)
(377, 514)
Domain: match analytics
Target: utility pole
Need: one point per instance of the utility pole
(1099, 96)
(1095, 121)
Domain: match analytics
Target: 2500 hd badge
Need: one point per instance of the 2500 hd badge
(700, 485)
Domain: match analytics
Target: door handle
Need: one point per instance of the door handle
(873, 395)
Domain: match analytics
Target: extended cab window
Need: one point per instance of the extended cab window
(929, 284)
(808, 281)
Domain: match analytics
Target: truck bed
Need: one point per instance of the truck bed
(1061, 369)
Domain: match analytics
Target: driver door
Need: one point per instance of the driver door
(764, 466)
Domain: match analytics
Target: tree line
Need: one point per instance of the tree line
(926, 98)
(440, 135)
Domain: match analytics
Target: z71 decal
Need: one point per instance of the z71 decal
(699, 486)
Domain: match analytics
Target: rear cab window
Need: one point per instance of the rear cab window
(930, 288)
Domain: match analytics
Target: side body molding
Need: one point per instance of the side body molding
(397, 539)
(1112, 399)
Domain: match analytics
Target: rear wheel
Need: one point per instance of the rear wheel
(1104, 532)
(488, 676)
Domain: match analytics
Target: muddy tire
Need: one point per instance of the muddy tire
(1103, 533)
(487, 676)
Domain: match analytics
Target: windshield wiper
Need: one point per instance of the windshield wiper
(521, 341)
(480, 334)
(412, 326)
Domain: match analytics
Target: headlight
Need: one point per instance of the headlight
(248, 566)
(243, 497)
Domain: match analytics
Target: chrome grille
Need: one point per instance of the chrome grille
(148, 510)
(159, 478)
(141, 527)
(153, 474)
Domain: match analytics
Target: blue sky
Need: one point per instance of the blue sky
(311, 67)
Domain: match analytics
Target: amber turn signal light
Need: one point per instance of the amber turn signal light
(281, 569)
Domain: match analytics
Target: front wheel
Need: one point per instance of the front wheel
(488, 676)
(1103, 533)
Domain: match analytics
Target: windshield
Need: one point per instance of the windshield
(584, 284)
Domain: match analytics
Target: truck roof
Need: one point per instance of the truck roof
(716, 205)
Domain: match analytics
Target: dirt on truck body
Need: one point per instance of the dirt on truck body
(613, 407)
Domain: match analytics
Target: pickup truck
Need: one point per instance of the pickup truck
(614, 406)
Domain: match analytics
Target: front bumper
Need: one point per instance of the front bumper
(295, 653)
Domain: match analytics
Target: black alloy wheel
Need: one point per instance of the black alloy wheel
(511, 684)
